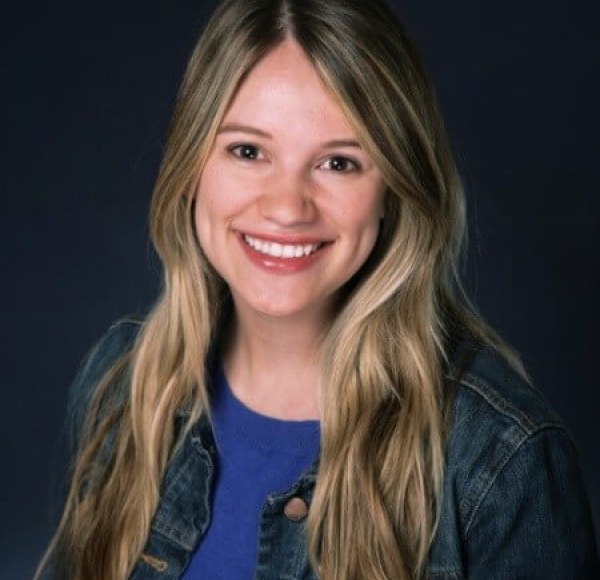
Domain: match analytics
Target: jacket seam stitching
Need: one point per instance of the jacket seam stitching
(454, 572)
(501, 467)
(129, 319)
(501, 405)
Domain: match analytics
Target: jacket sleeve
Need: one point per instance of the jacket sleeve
(534, 521)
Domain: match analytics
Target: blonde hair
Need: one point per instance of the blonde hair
(383, 357)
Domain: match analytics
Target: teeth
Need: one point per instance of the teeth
(281, 250)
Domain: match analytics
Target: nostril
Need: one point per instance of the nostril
(287, 207)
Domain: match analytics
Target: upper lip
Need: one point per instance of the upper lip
(286, 239)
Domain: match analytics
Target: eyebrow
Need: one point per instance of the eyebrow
(237, 128)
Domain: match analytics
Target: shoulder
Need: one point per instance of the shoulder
(513, 487)
(116, 342)
(489, 389)
(496, 414)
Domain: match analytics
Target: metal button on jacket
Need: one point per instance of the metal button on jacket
(295, 509)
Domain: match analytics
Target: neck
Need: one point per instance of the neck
(272, 364)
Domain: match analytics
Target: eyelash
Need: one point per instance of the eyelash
(236, 151)
(355, 165)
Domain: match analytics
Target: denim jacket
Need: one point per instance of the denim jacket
(513, 505)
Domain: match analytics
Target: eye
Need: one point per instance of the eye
(340, 164)
(245, 151)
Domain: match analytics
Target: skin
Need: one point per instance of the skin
(286, 166)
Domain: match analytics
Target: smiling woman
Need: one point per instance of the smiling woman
(313, 395)
(289, 204)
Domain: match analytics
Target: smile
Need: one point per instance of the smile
(277, 250)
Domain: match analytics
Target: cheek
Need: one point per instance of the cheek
(362, 217)
(212, 197)
(222, 193)
(220, 198)
(361, 207)
(206, 210)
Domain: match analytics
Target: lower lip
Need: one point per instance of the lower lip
(281, 265)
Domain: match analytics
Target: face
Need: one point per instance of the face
(289, 203)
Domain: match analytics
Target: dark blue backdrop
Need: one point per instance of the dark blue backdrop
(86, 94)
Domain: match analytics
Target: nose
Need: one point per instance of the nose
(287, 201)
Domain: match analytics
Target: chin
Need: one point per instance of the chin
(276, 307)
(280, 310)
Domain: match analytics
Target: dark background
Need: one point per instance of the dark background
(86, 94)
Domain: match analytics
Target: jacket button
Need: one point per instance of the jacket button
(295, 509)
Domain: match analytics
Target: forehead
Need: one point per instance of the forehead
(284, 88)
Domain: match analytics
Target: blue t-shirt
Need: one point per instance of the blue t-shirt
(257, 456)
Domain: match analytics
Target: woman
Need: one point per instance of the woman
(312, 395)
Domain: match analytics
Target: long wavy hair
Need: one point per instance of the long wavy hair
(377, 494)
